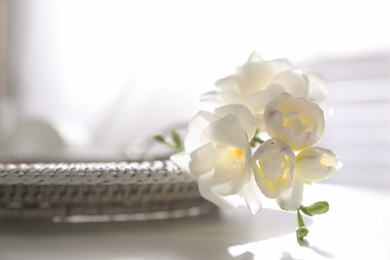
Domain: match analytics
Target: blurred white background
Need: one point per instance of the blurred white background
(104, 73)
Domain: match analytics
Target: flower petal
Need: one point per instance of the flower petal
(291, 199)
(252, 196)
(226, 131)
(280, 65)
(318, 87)
(182, 160)
(228, 188)
(202, 160)
(257, 101)
(205, 185)
(231, 169)
(255, 57)
(294, 82)
(211, 100)
(196, 127)
(245, 117)
(254, 76)
(230, 92)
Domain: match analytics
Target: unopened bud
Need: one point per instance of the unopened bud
(302, 232)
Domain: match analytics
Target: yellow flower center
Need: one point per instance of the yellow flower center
(235, 153)
(230, 165)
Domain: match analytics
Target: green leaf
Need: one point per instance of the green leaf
(177, 139)
(175, 142)
(317, 208)
(159, 138)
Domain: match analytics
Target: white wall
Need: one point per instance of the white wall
(122, 70)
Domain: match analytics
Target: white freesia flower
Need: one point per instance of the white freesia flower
(270, 103)
(218, 155)
(313, 164)
(258, 82)
(273, 167)
(296, 121)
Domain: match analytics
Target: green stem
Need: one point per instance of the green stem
(300, 219)
(258, 140)
(301, 231)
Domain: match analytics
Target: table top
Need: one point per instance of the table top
(356, 227)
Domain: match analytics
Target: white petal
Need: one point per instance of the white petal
(280, 65)
(294, 82)
(228, 188)
(196, 127)
(291, 199)
(211, 95)
(252, 196)
(205, 185)
(182, 161)
(260, 122)
(231, 170)
(257, 101)
(274, 90)
(227, 83)
(202, 160)
(245, 117)
(326, 108)
(230, 92)
(226, 131)
(318, 87)
(255, 57)
(253, 77)
(211, 100)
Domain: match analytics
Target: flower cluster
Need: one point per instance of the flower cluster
(258, 139)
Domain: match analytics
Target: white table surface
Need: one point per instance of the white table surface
(356, 227)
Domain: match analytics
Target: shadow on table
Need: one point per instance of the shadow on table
(202, 237)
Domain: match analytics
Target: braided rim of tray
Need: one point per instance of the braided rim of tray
(61, 190)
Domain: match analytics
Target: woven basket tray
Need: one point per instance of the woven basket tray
(98, 191)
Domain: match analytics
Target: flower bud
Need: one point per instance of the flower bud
(315, 164)
(273, 167)
(297, 121)
(302, 232)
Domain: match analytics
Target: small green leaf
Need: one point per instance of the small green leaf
(177, 139)
(301, 232)
(159, 138)
(175, 142)
(317, 208)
